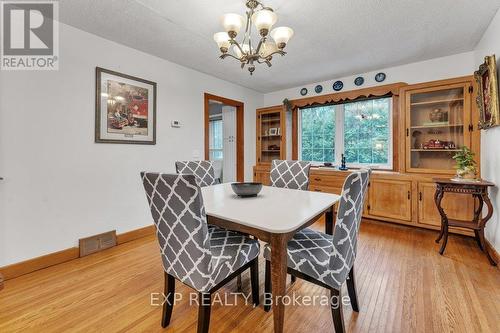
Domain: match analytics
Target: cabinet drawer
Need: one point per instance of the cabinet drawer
(336, 181)
(326, 189)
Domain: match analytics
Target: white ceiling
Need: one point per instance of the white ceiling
(333, 38)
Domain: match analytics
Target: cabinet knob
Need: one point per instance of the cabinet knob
(317, 179)
(420, 196)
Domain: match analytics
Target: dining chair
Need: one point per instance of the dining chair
(290, 174)
(203, 170)
(201, 258)
(328, 260)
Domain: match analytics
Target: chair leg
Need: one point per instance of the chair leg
(254, 277)
(336, 305)
(351, 289)
(169, 300)
(204, 312)
(267, 287)
(239, 286)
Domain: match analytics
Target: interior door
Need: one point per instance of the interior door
(229, 144)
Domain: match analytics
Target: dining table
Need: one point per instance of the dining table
(273, 216)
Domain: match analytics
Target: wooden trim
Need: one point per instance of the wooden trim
(389, 89)
(493, 252)
(240, 131)
(31, 265)
(51, 259)
(135, 234)
(392, 89)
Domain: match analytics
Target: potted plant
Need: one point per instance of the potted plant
(466, 166)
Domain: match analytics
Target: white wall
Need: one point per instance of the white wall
(490, 139)
(59, 185)
(424, 71)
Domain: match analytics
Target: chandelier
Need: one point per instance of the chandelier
(263, 18)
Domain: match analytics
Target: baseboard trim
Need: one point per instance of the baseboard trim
(135, 234)
(51, 259)
(493, 252)
(31, 265)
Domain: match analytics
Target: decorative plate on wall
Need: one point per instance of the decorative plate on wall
(318, 88)
(380, 77)
(338, 85)
(359, 81)
(303, 91)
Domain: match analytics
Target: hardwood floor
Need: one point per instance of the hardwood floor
(404, 285)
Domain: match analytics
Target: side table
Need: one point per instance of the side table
(479, 190)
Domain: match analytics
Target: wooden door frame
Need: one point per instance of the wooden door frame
(240, 159)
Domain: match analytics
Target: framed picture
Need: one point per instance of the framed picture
(273, 131)
(487, 97)
(125, 109)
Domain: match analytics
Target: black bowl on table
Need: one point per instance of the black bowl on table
(246, 190)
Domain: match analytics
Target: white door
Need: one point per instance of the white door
(229, 144)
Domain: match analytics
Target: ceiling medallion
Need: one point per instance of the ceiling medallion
(263, 18)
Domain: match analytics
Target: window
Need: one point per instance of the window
(361, 130)
(216, 140)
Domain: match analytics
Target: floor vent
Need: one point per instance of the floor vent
(97, 243)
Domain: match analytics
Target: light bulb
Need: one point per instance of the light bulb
(232, 23)
(267, 48)
(222, 40)
(281, 36)
(264, 19)
(237, 51)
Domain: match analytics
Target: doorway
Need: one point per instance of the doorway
(224, 137)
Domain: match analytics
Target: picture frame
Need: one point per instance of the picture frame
(273, 131)
(125, 109)
(487, 96)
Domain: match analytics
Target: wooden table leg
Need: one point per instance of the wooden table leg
(329, 221)
(278, 278)
(486, 200)
(438, 197)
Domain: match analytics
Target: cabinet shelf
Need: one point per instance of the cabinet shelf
(435, 149)
(441, 101)
(271, 151)
(436, 126)
(271, 136)
(277, 120)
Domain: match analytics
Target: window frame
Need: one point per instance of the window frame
(339, 143)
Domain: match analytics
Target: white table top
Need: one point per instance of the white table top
(276, 210)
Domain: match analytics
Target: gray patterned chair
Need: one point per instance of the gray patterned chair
(290, 174)
(327, 260)
(201, 258)
(203, 170)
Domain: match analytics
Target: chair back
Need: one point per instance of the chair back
(290, 174)
(181, 227)
(203, 170)
(345, 235)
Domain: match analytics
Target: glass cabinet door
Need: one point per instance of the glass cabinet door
(270, 136)
(437, 127)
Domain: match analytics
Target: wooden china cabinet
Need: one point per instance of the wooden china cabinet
(431, 121)
(271, 134)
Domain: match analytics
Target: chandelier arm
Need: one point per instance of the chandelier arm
(225, 55)
(234, 42)
(281, 53)
(262, 41)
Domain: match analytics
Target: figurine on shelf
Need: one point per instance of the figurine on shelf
(343, 167)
